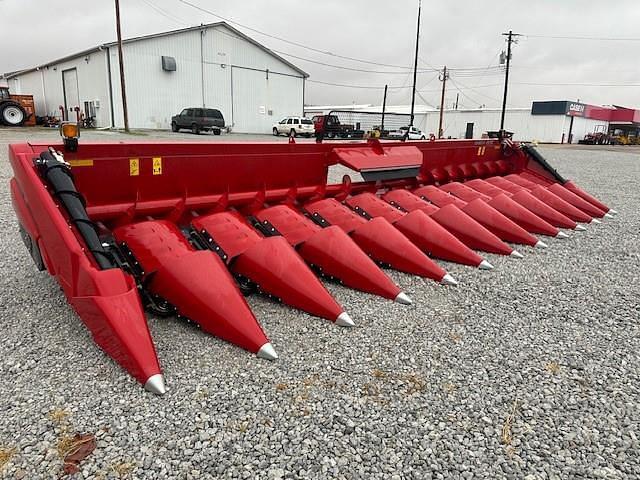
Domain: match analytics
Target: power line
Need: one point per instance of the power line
(300, 45)
(369, 87)
(464, 94)
(403, 72)
(474, 89)
(173, 18)
(317, 50)
(165, 13)
(569, 37)
(579, 84)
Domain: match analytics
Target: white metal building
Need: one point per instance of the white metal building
(216, 66)
(458, 123)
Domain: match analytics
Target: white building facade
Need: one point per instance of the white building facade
(475, 123)
(212, 66)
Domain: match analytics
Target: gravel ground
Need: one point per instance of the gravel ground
(531, 371)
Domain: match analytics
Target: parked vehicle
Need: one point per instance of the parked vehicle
(596, 138)
(410, 133)
(330, 126)
(198, 120)
(293, 126)
(11, 112)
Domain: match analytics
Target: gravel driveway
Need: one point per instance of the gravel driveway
(530, 371)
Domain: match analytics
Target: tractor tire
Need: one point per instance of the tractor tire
(275, 132)
(33, 248)
(12, 114)
(159, 306)
(174, 127)
(195, 129)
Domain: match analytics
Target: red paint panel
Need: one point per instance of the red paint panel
(377, 237)
(541, 209)
(331, 250)
(463, 192)
(387, 244)
(438, 197)
(560, 205)
(589, 198)
(576, 200)
(197, 283)
(497, 223)
(107, 301)
(335, 213)
(378, 156)
(271, 263)
(338, 256)
(374, 207)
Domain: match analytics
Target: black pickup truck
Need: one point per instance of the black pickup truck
(199, 120)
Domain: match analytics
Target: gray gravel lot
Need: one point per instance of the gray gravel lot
(530, 371)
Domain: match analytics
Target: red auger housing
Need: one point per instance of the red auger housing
(188, 229)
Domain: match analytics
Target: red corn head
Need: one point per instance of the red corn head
(330, 250)
(377, 237)
(196, 283)
(467, 229)
(271, 263)
(479, 208)
(440, 241)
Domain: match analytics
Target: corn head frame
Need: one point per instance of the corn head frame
(187, 228)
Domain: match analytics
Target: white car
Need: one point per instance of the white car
(293, 126)
(414, 133)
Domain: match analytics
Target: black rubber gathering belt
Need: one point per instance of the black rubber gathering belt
(58, 175)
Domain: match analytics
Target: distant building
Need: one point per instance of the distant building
(213, 66)
(545, 121)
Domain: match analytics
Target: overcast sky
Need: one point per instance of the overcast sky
(464, 35)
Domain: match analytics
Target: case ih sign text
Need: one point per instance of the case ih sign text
(575, 109)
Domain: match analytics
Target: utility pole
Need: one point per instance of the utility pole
(457, 98)
(510, 40)
(415, 65)
(384, 108)
(443, 79)
(125, 113)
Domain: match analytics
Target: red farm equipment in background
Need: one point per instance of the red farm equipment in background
(187, 228)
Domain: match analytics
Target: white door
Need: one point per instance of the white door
(71, 94)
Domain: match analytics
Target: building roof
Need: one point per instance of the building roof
(163, 34)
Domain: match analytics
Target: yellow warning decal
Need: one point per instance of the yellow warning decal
(157, 165)
(134, 167)
(81, 163)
